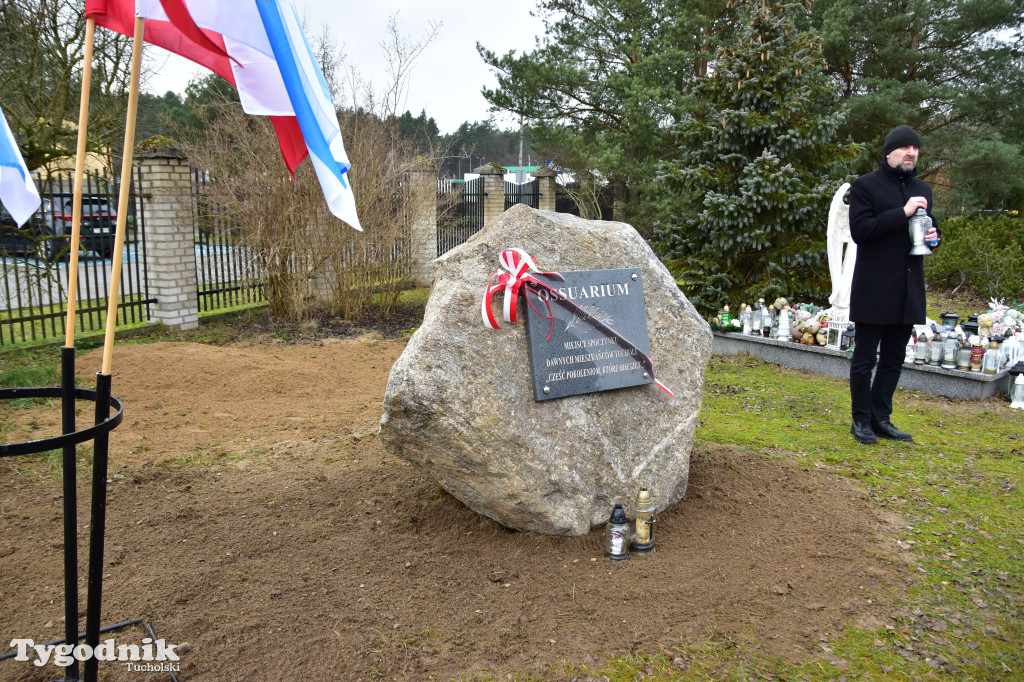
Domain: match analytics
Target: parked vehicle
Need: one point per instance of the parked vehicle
(96, 231)
(19, 241)
(45, 234)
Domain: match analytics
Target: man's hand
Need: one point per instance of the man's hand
(931, 237)
(913, 204)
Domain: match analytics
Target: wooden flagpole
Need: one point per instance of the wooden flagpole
(122, 200)
(69, 454)
(97, 530)
(76, 211)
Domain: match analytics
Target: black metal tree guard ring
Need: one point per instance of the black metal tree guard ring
(99, 433)
(30, 447)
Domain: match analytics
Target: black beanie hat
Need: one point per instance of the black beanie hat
(901, 136)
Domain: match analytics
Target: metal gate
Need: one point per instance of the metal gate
(527, 193)
(460, 212)
(226, 275)
(34, 261)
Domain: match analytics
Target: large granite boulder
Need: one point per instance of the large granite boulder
(460, 402)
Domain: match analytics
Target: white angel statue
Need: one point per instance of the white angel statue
(842, 254)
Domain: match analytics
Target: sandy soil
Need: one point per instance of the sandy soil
(254, 515)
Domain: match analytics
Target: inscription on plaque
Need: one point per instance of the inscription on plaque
(598, 333)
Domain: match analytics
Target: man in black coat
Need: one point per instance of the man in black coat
(887, 296)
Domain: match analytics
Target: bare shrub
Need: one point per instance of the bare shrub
(252, 198)
(369, 269)
(312, 262)
(585, 192)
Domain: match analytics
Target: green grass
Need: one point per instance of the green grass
(233, 308)
(48, 323)
(30, 375)
(958, 487)
(414, 297)
(26, 368)
(961, 303)
(37, 365)
(34, 366)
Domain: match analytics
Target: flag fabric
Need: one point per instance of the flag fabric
(259, 48)
(177, 13)
(314, 108)
(252, 72)
(234, 30)
(17, 190)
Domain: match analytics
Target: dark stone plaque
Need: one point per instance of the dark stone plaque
(598, 333)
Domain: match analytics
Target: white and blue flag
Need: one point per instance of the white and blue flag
(313, 105)
(17, 190)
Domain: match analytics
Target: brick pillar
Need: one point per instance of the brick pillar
(170, 248)
(547, 188)
(494, 188)
(618, 200)
(421, 180)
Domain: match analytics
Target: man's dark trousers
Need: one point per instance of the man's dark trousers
(872, 402)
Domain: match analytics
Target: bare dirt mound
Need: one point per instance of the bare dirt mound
(253, 514)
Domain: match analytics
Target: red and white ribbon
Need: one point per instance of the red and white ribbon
(518, 266)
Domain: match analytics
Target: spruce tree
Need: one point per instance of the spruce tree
(756, 169)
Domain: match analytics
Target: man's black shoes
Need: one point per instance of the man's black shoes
(869, 434)
(863, 433)
(887, 430)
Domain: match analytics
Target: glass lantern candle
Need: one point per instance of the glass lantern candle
(977, 353)
(935, 350)
(1017, 393)
(1011, 351)
(616, 535)
(970, 327)
(908, 359)
(643, 510)
(1015, 374)
(847, 340)
(918, 225)
(785, 326)
(950, 348)
(921, 349)
(833, 334)
(949, 319)
(990, 360)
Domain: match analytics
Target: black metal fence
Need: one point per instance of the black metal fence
(34, 261)
(225, 270)
(460, 212)
(527, 193)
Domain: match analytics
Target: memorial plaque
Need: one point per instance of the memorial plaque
(598, 333)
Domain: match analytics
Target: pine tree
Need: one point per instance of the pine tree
(602, 87)
(951, 69)
(757, 169)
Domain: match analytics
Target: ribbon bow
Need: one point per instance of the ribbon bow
(518, 265)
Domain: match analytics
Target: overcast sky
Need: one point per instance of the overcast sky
(447, 79)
